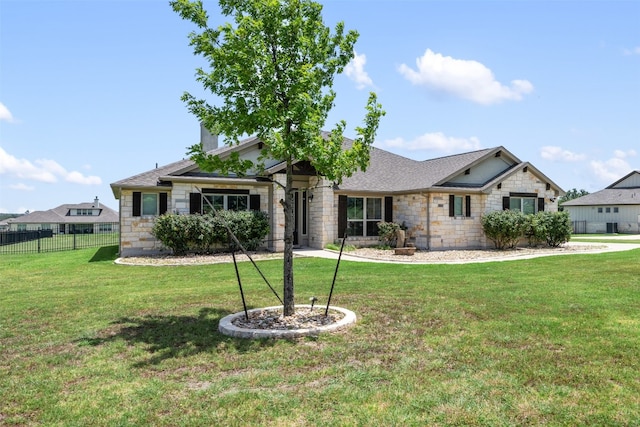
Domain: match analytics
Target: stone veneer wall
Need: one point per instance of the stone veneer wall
(323, 217)
(276, 213)
(458, 232)
(461, 232)
(429, 226)
(135, 232)
(411, 210)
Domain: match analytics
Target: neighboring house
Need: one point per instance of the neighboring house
(616, 209)
(79, 218)
(439, 201)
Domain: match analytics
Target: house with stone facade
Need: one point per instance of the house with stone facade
(440, 202)
(616, 209)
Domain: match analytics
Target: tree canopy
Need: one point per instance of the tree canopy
(273, 69)
(571, 194)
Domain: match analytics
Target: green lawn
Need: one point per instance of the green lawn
(605, 238)
(551, 341)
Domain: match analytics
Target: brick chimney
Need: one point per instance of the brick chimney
(208, 140)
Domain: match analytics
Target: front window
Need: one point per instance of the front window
(363, 215)
(526, 205)
(229, 202)
(457, 205)
(150, 204)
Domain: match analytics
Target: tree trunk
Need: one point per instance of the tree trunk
(289, 226)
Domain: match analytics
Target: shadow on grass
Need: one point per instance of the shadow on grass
(105, 253)
(171, 336)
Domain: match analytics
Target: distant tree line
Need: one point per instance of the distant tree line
(570, 195)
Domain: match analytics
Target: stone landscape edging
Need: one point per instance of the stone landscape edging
(226, 326)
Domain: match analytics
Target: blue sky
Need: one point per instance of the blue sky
(90, 90)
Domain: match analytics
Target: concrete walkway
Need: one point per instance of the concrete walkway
(508, 256)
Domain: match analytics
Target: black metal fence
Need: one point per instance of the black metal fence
(579, 227)
(38, 241)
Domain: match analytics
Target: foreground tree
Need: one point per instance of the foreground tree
(273, 71)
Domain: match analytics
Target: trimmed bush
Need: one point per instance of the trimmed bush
(249, 227)
(504, 228)
(205, 233)
(557, 227)
(388, 232)
(535, 230)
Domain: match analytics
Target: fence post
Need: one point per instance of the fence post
(74, 236)
(39, 235)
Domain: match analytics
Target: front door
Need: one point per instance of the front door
(301, 210)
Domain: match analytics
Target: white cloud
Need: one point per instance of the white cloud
(23, 169)
(559, 154)
(355, 71)
(43, 170)
(632, 51)
(5, 114)
(611, 170)
(624, 154)
(466, 79)
(78, 178)
(436, 141)
(22, 187)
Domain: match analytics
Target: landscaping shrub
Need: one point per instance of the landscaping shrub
(557, 227)
(203, 233)
(535, 230)
(388, 232)
(174, 231)
(249, 227)
(504, 228)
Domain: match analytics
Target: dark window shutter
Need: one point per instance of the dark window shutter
(195, 203)
(254, 202)
(137, 203)
(505, 203)
(163, 204)
(540, 204)
(342, 215)
(388, 209)
(452, 202)
(467, 206)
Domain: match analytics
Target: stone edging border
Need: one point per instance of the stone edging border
(226, 327)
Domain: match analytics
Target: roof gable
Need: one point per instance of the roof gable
(631, 180)
(477, 168)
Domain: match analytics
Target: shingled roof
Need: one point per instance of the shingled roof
(185, 167)
(60, 215)
(621, 192)
(387, 172)
(608, 196)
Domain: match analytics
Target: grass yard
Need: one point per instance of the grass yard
(551, 341)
